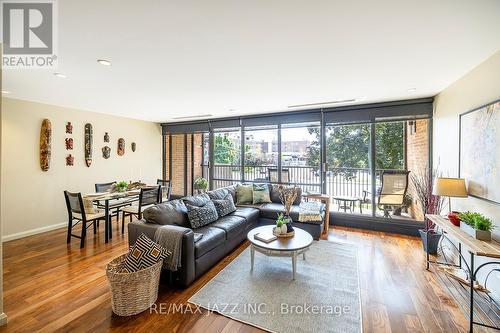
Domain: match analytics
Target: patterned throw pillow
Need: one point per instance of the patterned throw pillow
(244, 194)
(225, 205)
(201, 215)
(261, 193)
(143, 254)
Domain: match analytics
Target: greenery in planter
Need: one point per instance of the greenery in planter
(282, 220)
(200, 184)
(121, 186)
(477, 221)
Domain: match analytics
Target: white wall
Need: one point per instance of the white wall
(478, 87)
(33, 200)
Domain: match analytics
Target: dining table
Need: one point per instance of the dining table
(125, 198)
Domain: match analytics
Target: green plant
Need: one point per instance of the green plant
(121, 186)
(200, 183)
(477, 221)
(281, 220)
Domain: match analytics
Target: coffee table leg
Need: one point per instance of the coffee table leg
(294, 263)
(303, 256)
(252, 256)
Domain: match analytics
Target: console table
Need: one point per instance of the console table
(475, 248)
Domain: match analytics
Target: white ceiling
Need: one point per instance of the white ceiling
(182, 58)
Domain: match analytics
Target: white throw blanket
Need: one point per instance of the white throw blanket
(310, 211)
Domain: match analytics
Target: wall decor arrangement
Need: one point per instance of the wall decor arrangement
(106, 137)
(45, 144)
(121, 146)
(133, 146)
(88, 144)
(70, 160)
(106, 152)
(69, 128)
(479, 152)
(69, 143)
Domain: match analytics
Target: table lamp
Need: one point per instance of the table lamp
(450, 187)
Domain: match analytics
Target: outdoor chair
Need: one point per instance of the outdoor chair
(393, 190)
(273, 175)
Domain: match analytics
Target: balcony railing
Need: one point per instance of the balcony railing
(351, 182)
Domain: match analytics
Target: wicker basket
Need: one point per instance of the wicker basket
(132, 293)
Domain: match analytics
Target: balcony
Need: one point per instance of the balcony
(346, 183)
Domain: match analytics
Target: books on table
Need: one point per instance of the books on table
(265, 237)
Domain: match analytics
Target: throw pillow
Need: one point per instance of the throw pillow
(225, 205)
(165, 213)
(219, 193)
(143, 254)
(244, 194)
(260, 193)
(200, 216)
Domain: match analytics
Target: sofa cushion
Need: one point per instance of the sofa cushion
(212, 237)
(260, 193)
(271, 211)
(198, 200)
(244, 194)
(225, 205)
(201, 215)
(233, 225)
(248, 213)
(275, 195)
(170, 212)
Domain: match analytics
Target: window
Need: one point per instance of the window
(261, 153)
(227, 157)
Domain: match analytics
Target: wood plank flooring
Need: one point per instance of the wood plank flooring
(51, 286)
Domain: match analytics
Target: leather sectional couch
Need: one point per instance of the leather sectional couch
(220, 237)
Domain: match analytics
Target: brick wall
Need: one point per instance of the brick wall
(417, 158)
(194, 162)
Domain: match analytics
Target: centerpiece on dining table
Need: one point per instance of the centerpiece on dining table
(284, 226)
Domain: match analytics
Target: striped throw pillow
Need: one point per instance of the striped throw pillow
(143, 254)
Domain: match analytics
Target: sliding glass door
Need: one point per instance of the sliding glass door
(261, 153)
(226, 157)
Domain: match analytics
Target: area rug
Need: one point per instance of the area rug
(324, 297)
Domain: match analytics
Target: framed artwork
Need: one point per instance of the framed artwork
(479, 151)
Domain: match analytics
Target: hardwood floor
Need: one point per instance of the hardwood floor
(51, 286)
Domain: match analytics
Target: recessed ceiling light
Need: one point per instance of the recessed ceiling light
(61, 75)
(104, 62)
(411, 90)
(5, 92)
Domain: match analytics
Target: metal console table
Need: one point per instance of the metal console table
(475, 248)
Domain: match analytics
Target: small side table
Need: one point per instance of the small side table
(324, 198)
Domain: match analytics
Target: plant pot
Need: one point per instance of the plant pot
(477, 234)
(434, 238)
(453, 217)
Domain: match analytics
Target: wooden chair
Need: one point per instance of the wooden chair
(166, 189)
(76, 212)
(273, 175)
(147, 197)
(393, 190)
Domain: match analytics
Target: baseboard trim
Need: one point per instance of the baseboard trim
(3, 319)
(31, 232)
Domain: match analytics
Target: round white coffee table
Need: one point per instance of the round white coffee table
(281, 247)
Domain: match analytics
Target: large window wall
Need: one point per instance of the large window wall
(343, 154)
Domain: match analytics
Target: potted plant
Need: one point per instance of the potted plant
(121, 186)
(200, 184)
(476, 225)
(430, 204)
(407, 201)
(283, 224)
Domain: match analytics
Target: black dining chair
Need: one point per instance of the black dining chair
(166, 189)
(147, 197)
(78, 215)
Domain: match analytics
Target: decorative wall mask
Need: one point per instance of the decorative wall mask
(45, 144)
(69, 128)
(121, 146)
(133, 146)
(106, 137)
(69, 143)
(70, 160)
(88, 144)
(106, 152)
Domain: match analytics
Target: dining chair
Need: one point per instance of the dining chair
(166, 189)
(147, 197)
(83, 214)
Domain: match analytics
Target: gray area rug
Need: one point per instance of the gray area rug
(324, 297)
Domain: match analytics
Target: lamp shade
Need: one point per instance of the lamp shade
(450, 187)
